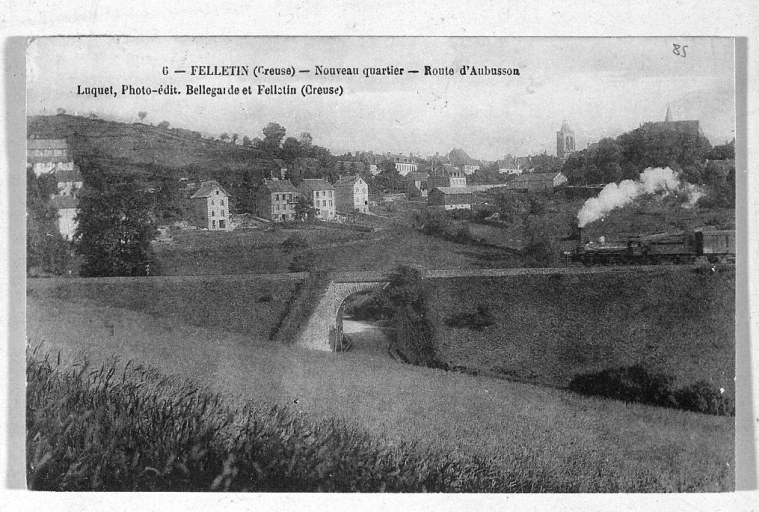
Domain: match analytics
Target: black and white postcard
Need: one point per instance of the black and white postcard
(381, 264)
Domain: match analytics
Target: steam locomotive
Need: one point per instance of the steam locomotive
(715, 246)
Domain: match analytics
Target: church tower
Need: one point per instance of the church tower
(565, 141)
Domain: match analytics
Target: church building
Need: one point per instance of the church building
(565, 141)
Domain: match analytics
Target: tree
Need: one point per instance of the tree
(164, 125)
(60, 111)
(305, 140)
(303, 209)
(115, 229)
(246, 142)
(45, 247)
(273, 135)
(224, 137)
(235, 136)
(142, 115)
(291, 149)
(539, 249)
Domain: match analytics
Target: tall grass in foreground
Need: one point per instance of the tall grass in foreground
(133, 429)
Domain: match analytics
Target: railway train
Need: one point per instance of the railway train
(714, 246)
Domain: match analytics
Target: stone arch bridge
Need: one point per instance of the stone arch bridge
(323, 329)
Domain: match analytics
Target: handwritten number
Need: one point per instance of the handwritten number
(679, 50)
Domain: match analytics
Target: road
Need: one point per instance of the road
(367, 338)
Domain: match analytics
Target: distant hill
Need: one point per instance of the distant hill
(137, 145)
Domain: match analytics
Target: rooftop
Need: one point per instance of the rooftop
(206, 188)
(46, 144)
(279, 186)
(311, 185)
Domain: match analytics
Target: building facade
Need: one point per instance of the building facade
(276, 199)
(66, 208)
(211, 207)
(351, 194)
(450, 198)
(321, 195)
(405, 168)
(451, 177)
(470, 169)
(69, 182)
(565, 141)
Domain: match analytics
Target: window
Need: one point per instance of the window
(222, 213)
(213, 224)
(222, 202)
(213, 213)
(318, 193)
(222, 224)
(217, 192)
(324, 203)
(276, 197)
(330, 202)
(211, 202)
(276, 207)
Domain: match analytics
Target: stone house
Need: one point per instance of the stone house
(538, 181)
(211, 207)
(321, 195)
(351, 194)
(276, 199)
(450, 198)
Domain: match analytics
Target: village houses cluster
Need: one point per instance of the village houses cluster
(276, 198)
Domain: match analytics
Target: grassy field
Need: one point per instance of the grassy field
(259, 251)
(548, 329)
(537, 434)
(250, 306)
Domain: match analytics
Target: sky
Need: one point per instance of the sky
(601, 86)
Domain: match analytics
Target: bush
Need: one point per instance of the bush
(476, 320)
(635, 384)
(294, 242)
(303, 262)
(706, 398)
(631, 384)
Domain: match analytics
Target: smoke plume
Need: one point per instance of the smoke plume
(653, 180)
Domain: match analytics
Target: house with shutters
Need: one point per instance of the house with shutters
(351, 194)
(275, 200)
(211, 207)
(321, 195)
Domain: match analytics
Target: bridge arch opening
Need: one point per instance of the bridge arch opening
(356, 321)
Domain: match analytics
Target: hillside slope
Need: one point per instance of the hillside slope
(136, 144)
